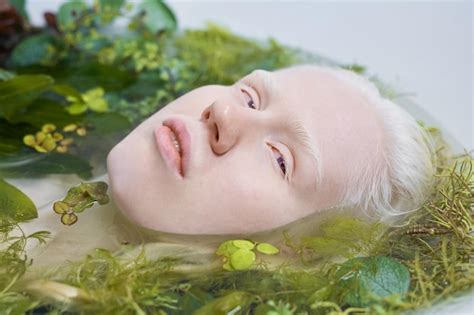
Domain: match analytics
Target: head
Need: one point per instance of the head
(270, 149)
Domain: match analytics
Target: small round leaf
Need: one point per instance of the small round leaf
(242, 259)
(226, 249)
(60, 207)
(68, 218)
(268, 249)
(244, 244)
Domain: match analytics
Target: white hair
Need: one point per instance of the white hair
(402, 178)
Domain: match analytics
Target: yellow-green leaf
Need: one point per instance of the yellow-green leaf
(14, 204)
(244, 244)
(20, 91)
(76, 108)
(266, 248)
(242, 259)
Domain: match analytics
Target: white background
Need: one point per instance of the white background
(424, 48)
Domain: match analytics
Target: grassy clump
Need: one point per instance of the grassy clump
(435, 246)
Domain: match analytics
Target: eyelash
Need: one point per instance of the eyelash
(250, 103)
(280, 160)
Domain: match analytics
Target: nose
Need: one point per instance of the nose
(224, 122)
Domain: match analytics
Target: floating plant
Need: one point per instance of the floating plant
(73, 78)
(80, 198)
(240, 254)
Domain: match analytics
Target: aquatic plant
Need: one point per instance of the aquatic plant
(407, 267)
(98, 85)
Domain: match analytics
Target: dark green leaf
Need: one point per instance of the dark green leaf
(52, 163)
(362, 280)
(226, 303)
(44, 111)
(68, 14)
(14, 204)
(85, 75)
(32, 50)
(157, 16)
(106, 123)
(11, 138)
(88, 75)
(20, 6)
(20, 91)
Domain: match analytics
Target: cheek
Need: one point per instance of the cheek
(248, 201)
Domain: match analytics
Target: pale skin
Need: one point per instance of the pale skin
(255, 175)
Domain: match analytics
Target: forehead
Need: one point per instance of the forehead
(338, 116)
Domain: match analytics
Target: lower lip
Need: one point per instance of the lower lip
(168, 150)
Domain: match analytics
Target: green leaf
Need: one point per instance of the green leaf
(32, 50)
(225, 304)
(157, 16)
(226, 249)
(11, 138)
(52, 163)
(266, 248)
(44, 111)
(88, 75)
(77, 108)
(20, 6)
(95, 100)
(363, 280)
(242, 259)
(83, 196)
(106, 123)
(14, 204)
(244, 244)
(20, 91)
(327, 247)
(67, 91)
(68, 14)
(108, 9)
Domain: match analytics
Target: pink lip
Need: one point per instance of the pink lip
(167, 149)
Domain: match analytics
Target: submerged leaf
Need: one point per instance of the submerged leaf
(231, 303)
(52, 163)
(20, 91)
(14, 204)
(362, 280)
(106, 123)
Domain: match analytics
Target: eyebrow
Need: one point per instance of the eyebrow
(297, 129)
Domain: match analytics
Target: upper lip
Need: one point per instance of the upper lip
(184, 139)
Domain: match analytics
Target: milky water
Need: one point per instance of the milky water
(105, 227)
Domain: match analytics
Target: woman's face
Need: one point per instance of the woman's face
(270, 149)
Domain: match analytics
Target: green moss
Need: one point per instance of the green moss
(342, 265)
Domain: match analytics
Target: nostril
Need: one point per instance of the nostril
(205, 115)
(217, 133)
